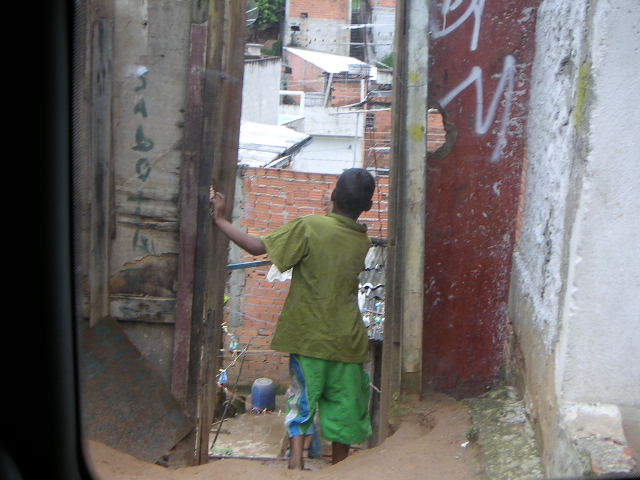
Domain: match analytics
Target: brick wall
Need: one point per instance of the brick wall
(307, 77)
(377, 133)
(268, 199)
(346, 91)
(304, 76)
(435, 131)
(326, 9)
(377, 136)
(384, 3)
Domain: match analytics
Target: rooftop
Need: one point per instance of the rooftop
(332, 63)
(263, 145)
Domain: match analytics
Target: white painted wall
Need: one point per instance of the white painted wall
(539, 258)
(338, 121)
(322, 35)
(575, 304)
(260, 97)
(337, 143)
(382, 33)
(329, 154)
(577, 257)
(600, 331)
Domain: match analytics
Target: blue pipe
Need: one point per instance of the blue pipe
(257, 263)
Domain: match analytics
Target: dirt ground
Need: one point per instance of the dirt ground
(429, 444)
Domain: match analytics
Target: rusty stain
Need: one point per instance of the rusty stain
(153, 275)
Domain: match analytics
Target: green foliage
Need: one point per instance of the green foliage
(270, 12)
(471, 433)
(225, 452)
(388, 60)
(275, 50)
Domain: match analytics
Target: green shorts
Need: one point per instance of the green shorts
(339, 391)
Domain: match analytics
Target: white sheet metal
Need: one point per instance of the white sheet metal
(260, 143)
(332, 63)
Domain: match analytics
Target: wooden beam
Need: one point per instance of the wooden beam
(402, 347)
(224, 173)
(101, 170)
(413, 128)
(188, 210)
(218, 144)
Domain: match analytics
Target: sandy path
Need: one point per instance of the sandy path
(428, 445)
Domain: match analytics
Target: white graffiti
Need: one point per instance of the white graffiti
(484, 117)
(483, 121)
(448, 7)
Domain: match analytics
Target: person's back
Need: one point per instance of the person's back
(320, 325)
(320, 317)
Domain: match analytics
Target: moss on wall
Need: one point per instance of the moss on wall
(582, 92)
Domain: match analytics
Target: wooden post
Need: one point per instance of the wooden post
(402, 348)
(101, 170)
(217, 148)
(412, 126)
(223, 174)
(188, 210)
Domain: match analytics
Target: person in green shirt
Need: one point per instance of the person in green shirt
(320, 325)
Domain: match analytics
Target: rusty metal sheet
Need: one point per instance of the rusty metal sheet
(125, 403)
(481, 54)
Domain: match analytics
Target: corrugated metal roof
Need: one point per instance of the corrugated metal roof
(262, 144)
(371, 292)
(332, 63)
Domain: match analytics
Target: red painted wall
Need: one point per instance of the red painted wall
(480, 56)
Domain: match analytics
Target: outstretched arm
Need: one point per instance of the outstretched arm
(250, 243)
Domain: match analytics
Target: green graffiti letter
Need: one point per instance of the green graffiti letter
(141, 108)
(143, 144)
(143, 82)
(143, 169)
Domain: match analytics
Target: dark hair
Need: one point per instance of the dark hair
(354, 191)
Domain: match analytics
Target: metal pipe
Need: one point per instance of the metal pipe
(256, 263)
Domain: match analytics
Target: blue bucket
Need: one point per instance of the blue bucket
(263, 394)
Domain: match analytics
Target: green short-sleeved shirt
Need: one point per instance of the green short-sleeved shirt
(320, 317)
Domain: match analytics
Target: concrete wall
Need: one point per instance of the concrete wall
(337, 139)
(329, 154)
(382, 32)
(320, 25)
(150, 52)
(576, 271)
(261, 84)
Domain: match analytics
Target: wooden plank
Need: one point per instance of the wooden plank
(222, 96)
(137, 308)
(224, 131)
(223, 173)
(188, 211)
(101, 172)
(390, 369)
